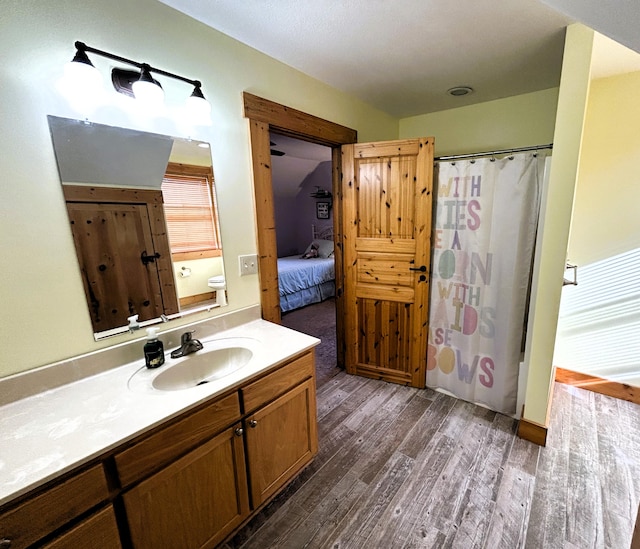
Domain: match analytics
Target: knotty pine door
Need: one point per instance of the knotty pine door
(387, 195)
(112, 229)
(108, 239)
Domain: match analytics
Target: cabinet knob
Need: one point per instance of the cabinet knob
(5, 543)
(253, 423)
(239, 431)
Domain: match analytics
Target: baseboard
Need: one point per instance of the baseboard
(532, 432)
(598, 385)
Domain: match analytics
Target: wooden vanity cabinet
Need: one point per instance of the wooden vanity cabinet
(57, 506)
(194, 502)
(281, 439)
(187, 484)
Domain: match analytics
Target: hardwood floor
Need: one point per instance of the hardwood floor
(404, 468)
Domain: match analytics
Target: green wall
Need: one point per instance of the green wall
(518, 121)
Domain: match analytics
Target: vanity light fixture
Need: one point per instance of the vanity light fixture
(139, 84)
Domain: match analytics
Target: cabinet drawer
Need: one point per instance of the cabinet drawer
(171, 442)
(44, 513)
(277, 383)
(99, 531)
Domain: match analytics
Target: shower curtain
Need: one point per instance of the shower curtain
(485, 222)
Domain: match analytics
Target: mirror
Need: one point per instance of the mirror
(143, 213)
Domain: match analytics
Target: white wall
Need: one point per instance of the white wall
(44, 316)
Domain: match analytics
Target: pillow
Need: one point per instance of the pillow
(325, 248)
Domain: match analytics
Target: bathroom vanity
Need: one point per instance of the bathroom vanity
(183, 468)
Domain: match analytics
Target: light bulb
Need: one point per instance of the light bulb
(82, 77)
(147, 90)
(198, 108)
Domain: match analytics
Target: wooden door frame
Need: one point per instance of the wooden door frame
(266, 116)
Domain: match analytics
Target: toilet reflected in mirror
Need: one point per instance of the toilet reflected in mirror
(219, 284)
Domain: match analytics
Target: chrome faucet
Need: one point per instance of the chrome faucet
(187, 345)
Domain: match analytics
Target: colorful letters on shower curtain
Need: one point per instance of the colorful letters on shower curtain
(483, 242)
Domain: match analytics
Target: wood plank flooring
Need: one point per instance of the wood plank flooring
(405, 468)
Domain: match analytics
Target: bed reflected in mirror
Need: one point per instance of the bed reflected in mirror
(143, 215)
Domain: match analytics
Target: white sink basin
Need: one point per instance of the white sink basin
(217, 359)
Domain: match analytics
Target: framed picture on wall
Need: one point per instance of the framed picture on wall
(322, 210)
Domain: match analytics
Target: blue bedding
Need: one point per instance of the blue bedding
(304, 281)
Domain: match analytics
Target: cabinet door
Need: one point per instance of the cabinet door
(194, 502)
(281, 438)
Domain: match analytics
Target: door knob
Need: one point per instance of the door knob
(422, 268)
(253, 423)
(239, 431)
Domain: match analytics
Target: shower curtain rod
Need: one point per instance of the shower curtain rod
(493, 153)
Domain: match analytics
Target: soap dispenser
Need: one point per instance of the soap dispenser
(153, 349)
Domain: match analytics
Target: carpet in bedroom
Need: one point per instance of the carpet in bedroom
(318, 320)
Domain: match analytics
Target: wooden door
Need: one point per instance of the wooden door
(196, 501)
(281, 438)
(112, 229)
(110, 239)
(387, 194)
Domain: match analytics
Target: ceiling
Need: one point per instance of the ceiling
(299, 160)
(402, 61)
(619, 20)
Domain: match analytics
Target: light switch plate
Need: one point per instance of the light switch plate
(248, 264)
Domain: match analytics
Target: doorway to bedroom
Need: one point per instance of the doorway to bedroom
(303, 211)
(266, 118)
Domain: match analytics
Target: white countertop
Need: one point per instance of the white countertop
(47, 434)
